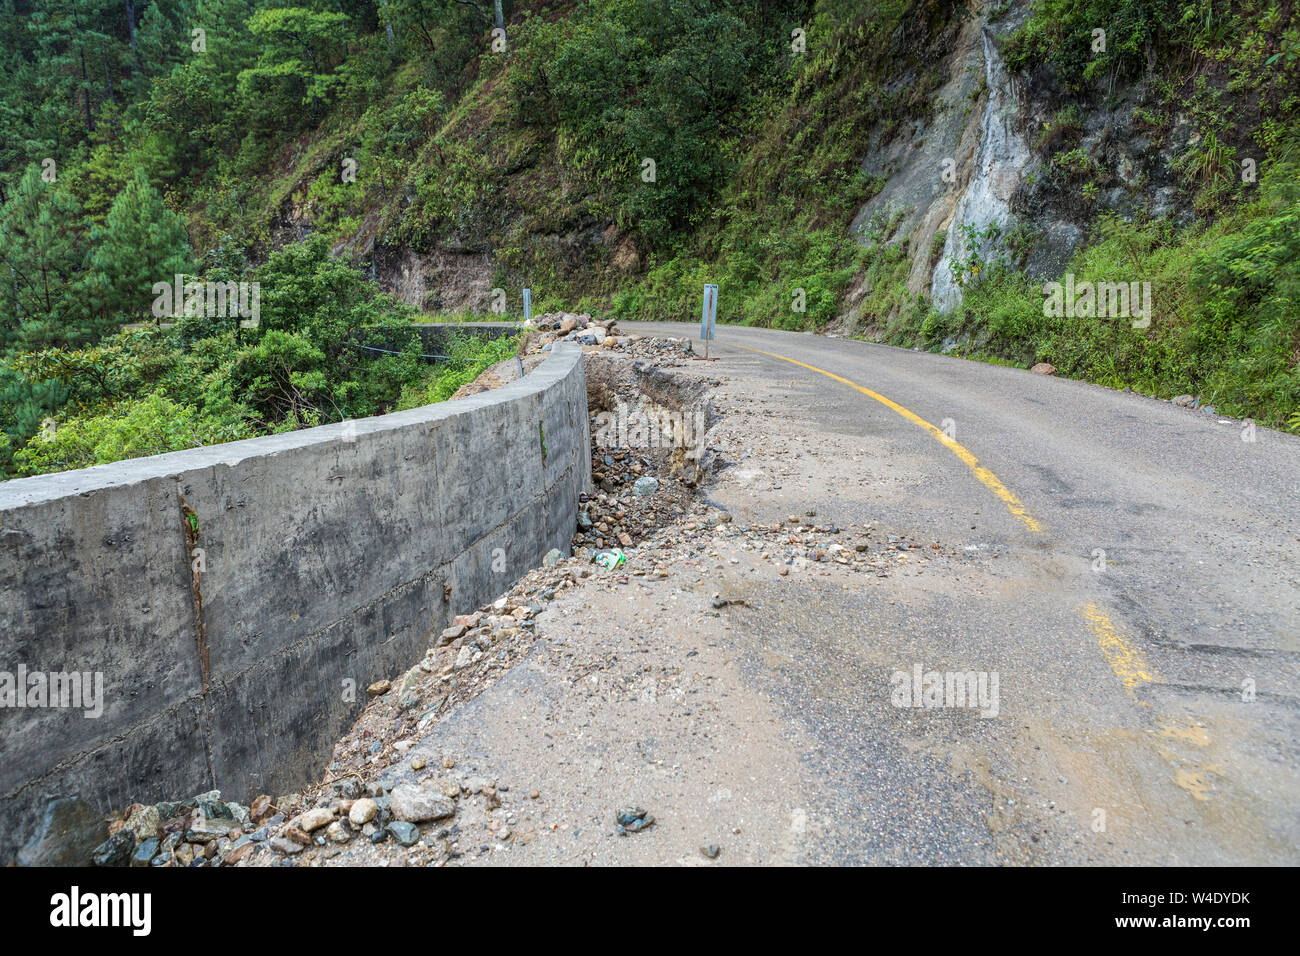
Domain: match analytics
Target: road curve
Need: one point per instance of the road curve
(1133, 579)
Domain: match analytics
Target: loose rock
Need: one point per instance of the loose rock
(362, 812)
(632, 820)
(418, 804)
(116, 850)
(315, 819)
(405, 833)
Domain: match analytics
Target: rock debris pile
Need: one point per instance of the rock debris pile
(553, 327)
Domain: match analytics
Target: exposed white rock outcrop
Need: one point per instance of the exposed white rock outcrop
(999, 166)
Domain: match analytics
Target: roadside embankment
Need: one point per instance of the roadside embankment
(227, 606)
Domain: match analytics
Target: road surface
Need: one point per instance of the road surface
(1134, 582)
(1128, 572)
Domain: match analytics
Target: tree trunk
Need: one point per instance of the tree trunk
(85, 89)
(108, 77)
(388, 27)
(130, 21)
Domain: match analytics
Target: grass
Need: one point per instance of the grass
(1226, 311)
(470, 356)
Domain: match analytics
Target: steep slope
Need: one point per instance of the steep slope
(908, 171)
(911, 171)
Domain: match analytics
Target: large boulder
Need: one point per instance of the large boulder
(68, 835)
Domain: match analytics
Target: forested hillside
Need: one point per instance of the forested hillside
(364, 162)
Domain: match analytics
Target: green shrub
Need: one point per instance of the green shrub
(1226, 310)
(469, 356)
(148, 426)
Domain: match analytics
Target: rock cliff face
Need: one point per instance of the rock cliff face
(925, 166)
(438, 281)
(976, 162)
(983, 217)
(973, 182)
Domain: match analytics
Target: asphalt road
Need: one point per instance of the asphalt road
(1131, 574)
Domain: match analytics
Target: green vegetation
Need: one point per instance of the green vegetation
(614, 155)
(1225, 323)
(133, 428)
(468, 357)
(1226, 303)
(777, 240)
(1231, 68)
(151, 389)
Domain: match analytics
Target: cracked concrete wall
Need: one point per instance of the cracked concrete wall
(326, 555)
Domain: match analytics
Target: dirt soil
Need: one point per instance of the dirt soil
(583, 692)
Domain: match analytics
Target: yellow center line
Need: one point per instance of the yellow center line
(1124, 659)
(986, 477)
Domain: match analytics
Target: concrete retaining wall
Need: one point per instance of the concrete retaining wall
(328, 557)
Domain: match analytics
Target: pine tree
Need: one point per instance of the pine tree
(24, 408)
(42, 242)
(141, 242)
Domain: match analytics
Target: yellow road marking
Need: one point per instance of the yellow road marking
(1124, 659)
(985, 476)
